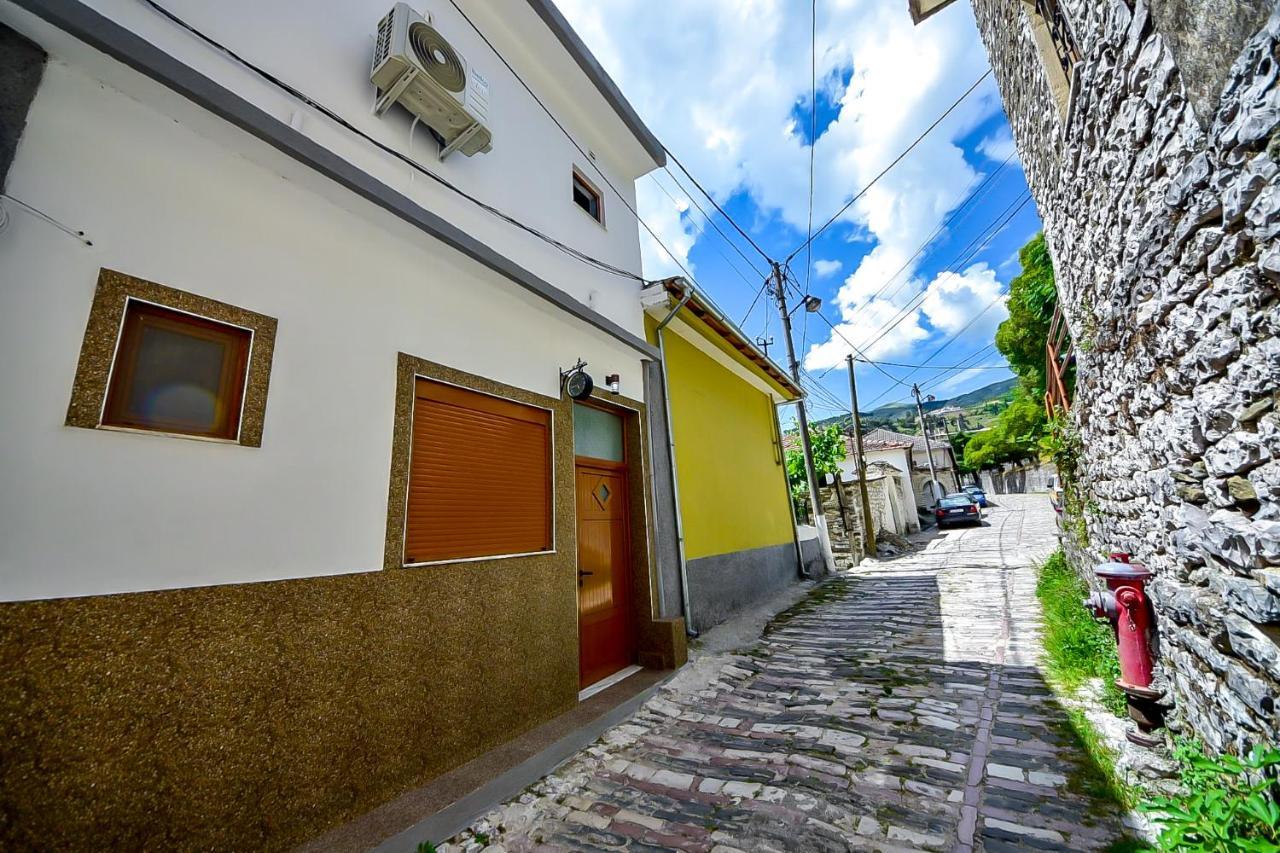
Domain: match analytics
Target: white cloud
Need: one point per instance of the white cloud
(717, 80)
(674, 221)
(968, 303)
(824, 268)
(999, 146)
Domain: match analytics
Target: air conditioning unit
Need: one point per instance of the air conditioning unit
(416, 67)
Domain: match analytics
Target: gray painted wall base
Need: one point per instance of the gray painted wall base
(722, 585)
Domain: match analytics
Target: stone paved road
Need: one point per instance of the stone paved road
(897, 708)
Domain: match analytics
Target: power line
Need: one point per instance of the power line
(975, 356)
(572, 141)
(702, 231)
(916, 301)
(917, 366)
(711, 199)
(333, 116)
(964, 207)
(813, 130)
(895, 162)
(753, 306)
(710, 219)
(937, 366)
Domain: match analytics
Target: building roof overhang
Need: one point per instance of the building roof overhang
(712, 322)
(921, 9)
(591, 67)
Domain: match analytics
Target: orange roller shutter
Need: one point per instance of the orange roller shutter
(479, 476)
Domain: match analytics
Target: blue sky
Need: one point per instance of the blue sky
(725, 85)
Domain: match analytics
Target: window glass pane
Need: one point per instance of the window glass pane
(176, 378)
(179, 373)
(596, 433)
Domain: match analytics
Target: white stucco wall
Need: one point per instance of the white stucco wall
(325, 47)
(172, 197)
(896, 458)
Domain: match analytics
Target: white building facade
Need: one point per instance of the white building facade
(258, 199)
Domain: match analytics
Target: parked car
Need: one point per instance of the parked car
(977, 493)
(958, 508)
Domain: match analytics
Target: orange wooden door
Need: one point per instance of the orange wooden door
(604, 616)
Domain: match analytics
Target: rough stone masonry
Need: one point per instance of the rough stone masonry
(1158, 187)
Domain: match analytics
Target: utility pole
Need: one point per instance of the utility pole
(928, 449)
(868, 526)
(951, 445)
(780, 294)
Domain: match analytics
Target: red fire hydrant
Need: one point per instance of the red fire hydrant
(1125, 604)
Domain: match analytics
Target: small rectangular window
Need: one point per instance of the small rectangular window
(587, 197)
(479, 476)
(597, 434)
(178, 373)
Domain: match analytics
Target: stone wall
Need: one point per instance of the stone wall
(1162, 224)
(844, 522)
(845, 526)
(1018, 479)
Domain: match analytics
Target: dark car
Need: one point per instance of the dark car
(958, 508)
(977, 493)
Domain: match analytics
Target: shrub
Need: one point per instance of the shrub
(1078, 647)
(1229, 804)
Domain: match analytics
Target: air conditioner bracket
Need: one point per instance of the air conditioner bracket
(389, 97)
(461, 140)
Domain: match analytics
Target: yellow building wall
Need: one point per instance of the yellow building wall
(732, 488)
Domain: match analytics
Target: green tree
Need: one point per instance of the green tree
(1015, 433)
(1033, 296)
(828, 452)
(958, 443)
(1018, 428)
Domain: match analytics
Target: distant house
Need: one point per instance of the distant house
(907, 454)
(735, 533)
(883, 447)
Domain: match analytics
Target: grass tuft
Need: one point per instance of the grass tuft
(1078, 647)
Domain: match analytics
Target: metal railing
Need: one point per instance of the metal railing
(1064, 43)
(1058, 359)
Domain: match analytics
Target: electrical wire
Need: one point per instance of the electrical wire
(915, 302)
(575, 144)
(710, 219)
(333, 116)
(937, 380)
(813, 131)
(39, 214)
(967, 205)
(711, 199)
(893, 163)
(702, 232)
(754, 302)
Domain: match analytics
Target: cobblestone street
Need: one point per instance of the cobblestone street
(898, 707)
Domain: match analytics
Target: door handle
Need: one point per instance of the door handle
(582, 574)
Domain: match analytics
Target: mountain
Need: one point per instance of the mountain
(994, 391)
(884, 415)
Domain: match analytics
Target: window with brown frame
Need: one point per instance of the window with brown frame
(587, 197)
(479, 476)
(177, 373)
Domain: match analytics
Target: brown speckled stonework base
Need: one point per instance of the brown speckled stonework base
(257, 716)
(100, 335)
